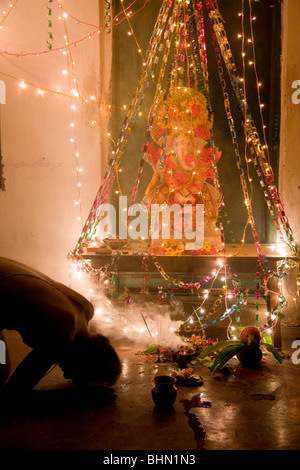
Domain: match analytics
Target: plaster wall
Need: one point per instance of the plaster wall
(42, 133)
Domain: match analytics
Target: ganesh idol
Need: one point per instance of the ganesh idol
(184, 162)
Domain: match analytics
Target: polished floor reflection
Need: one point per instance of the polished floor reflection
(247, 410)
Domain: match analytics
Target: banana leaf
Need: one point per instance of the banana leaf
(271, 349)
(266, 339)
(215, 347)
(206, 361)
(150, 350)
(224, 356)
(238, 330)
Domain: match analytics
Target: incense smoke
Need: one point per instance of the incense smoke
(141, 322)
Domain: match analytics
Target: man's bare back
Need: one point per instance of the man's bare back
(53, 320)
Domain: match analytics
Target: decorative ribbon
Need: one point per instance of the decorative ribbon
(50, 35)
(90, 227)
(107, 15)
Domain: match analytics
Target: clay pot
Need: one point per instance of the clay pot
(164, 392)
(250, 356)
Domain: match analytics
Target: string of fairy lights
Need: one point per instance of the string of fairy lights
(177, 23)
(73, 93)
(247, 201)
(5, 13)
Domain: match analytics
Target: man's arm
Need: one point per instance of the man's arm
(28, 373)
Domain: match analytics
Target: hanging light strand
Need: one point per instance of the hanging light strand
(262, 167)
(93, 120)
(97, 30)
(6, 14)
(127, 15)
(258, 84)
(92, 221)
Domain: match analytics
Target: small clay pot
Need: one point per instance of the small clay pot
(164, 392)
(250, 356)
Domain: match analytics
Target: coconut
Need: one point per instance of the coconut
(250, 335)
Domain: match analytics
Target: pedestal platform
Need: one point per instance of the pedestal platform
(143, 274)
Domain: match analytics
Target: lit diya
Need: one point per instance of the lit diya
(183, 356)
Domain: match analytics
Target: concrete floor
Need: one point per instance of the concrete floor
(249, 409)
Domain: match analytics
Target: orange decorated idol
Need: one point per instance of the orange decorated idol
(183, 160)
